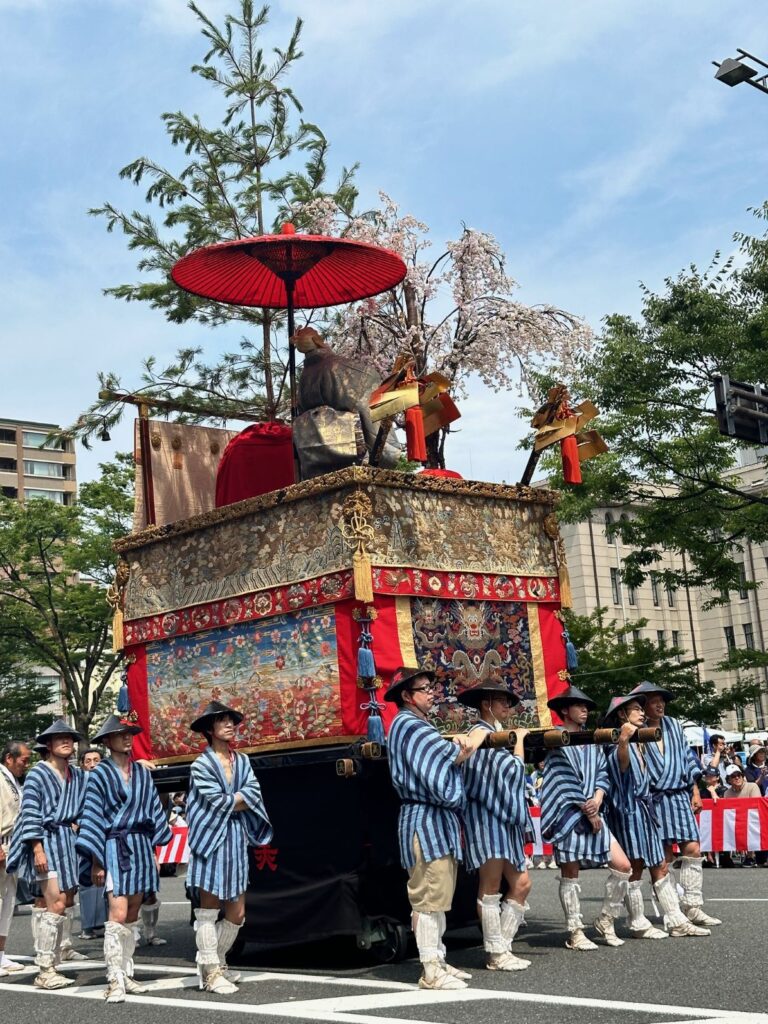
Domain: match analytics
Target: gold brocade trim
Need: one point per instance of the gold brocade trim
(405, 631)
(321, 741)
(329, 482)
(539, 671)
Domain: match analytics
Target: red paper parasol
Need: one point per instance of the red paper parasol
(289, 271)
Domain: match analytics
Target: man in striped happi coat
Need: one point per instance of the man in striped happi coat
(43, 849)
(496, 819)
(632, 818)
(122, 823)
(572, 793)
(674, 772)
(426, 776)
(226, 815)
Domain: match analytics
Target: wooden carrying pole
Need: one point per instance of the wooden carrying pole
(549, 739)
(552, 739)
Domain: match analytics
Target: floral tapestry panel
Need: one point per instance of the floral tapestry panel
(468, 642)
(281, 674)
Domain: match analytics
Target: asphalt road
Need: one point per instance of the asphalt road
(718, 978)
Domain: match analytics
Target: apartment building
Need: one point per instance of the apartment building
(679, 617)
(30, 468)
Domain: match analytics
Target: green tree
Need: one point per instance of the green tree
(612, 661)
(653, 381)
(242, 178)
(55, 564)
(21, 694)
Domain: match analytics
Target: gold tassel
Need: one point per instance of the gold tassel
(118, 638)
(566, 597)
(361, 568)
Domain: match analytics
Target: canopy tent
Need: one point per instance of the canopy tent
(694, 735)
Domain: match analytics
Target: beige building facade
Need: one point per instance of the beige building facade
(679, 618)
(30, 468)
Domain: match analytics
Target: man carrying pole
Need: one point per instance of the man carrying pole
(673, 773)
(426, 775)
(574, 787)
(631, 815)
(495, 821)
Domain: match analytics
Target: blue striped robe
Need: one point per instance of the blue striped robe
(630, 810)
(49, 808)
(496, 814)
(219, 836)
(673, 773)
(121, 825)
(571, 777)
(429, 783)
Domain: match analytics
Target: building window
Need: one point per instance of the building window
(609, 528)
(615, 586)
(749, 636)
(33, 468)
(676, 642)
(57, 496)
(759, 716)
(636, 636)
(740, 719)
(670, 596)
(743, 582)
(7, 436)
(7, 465)
(10, 492)
(655, 590)
(660, 640)
(730, 639)
(632, 595)
(36, 439)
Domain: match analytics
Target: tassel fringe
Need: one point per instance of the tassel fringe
(118, 636)
(361, 570)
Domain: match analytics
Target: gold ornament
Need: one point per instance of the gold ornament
(358, 533)
(116, 600)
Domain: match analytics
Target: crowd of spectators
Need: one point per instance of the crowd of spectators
(731, 773)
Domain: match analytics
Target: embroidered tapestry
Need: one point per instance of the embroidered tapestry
(282, 674)
(468, 642)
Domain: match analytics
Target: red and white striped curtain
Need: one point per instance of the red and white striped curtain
(729, 825)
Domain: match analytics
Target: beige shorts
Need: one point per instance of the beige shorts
(431, 885)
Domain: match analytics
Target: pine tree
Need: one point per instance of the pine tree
(241, 179)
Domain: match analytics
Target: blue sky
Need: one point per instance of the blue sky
(590, 138)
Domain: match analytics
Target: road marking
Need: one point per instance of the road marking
(738, 899)
(351, 1009)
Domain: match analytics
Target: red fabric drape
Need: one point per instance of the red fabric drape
(139, 700)
(386, 653)
(554, 650)
(569, 449)
(258, 460)
(415, 441)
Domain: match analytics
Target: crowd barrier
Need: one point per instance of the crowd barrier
(726, 825)
(177, 851)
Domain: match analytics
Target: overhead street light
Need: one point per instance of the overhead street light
(733, 71)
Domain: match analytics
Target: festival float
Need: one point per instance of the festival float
(309, 572)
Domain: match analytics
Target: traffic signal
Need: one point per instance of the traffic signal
(742, 410)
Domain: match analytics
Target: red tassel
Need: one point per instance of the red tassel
(569, 450)
(414, 435)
